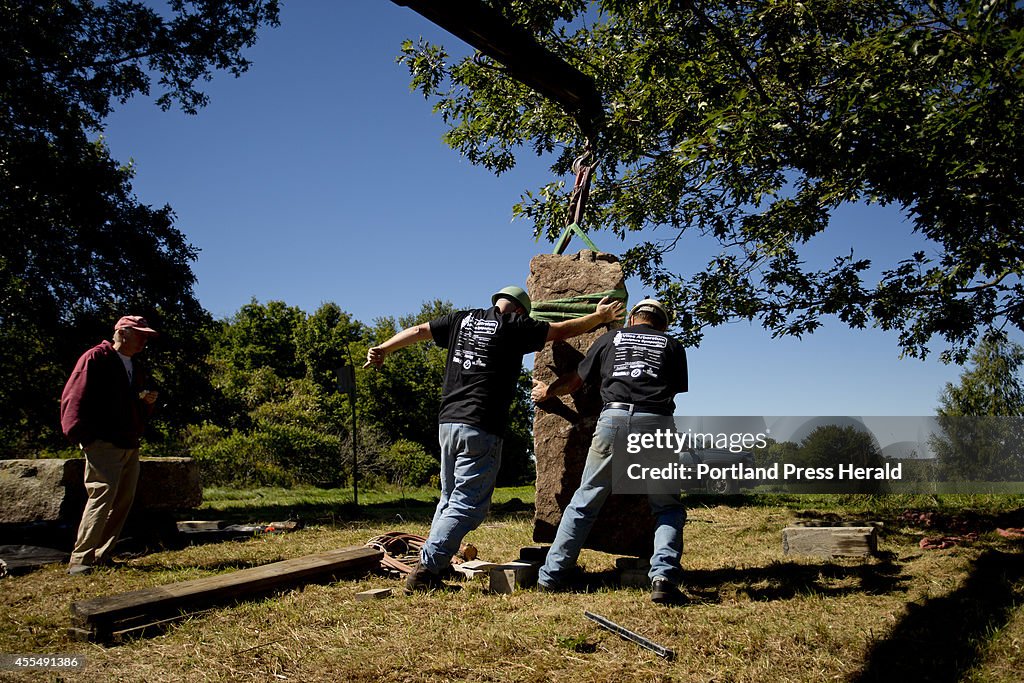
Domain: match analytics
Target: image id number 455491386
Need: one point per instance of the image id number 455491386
(46, 662)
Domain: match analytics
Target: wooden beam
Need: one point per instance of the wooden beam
(99, 618)
(829, 541)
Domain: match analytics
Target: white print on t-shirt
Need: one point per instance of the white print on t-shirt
(637, 354)
(473, 342)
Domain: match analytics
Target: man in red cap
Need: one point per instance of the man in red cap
(103, 409)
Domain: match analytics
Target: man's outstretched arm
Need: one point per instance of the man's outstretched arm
(407, 337)
(608, 309)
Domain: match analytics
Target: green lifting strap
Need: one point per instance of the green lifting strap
(563, 240)
(569, 308)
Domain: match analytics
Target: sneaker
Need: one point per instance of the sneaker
(78, 569)
(423, 580)
(664, 592)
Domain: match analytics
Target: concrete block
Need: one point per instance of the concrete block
(513, 576)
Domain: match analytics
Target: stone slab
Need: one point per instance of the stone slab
(52, 490)
(41, 490)
(563, 427)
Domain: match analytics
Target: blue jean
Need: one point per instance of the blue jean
(470, 460)
(595, 487)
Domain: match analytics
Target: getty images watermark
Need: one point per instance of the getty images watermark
(821, 455)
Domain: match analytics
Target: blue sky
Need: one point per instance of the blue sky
(318, 176)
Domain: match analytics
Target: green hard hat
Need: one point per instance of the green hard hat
(517, 294)
(651, 306)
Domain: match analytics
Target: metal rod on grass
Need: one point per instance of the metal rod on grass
(629, 635)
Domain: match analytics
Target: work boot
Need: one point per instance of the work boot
(664, 592)
(423, 580)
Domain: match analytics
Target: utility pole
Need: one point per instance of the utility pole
(347, 384)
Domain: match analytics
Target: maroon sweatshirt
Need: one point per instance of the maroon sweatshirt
(99, 403)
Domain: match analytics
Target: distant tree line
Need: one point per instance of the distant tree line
(269, 411)
(253, 396)
(980, 418)
(279, 417)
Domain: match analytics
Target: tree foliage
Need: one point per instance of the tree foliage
(991, 385)
(279, 417)
(403, 398)
(737, 129)
(833, 445)
(982, 433)
(268, 368)
(79, 249)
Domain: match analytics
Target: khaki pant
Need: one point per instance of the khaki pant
(111, 474)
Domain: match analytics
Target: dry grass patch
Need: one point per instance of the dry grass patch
(756, 615)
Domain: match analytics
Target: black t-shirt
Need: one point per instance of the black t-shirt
(485, 356)
(638, 365)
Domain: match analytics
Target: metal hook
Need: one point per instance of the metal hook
(584, 159)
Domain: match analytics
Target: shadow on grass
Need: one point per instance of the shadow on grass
(329, 514)
(335, 514)
(777, 581)
(786, 580)
(148, 534)
(214, 567)
(943, 638)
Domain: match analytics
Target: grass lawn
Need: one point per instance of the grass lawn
(756, 615)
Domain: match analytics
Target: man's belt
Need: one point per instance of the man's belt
(633, 408)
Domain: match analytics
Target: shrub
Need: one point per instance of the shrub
(407, 463)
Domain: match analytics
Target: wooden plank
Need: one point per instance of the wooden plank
(373, 594)
(477, 565)
(201, 525)
(832, 541)
(474, 569)
(202, 592)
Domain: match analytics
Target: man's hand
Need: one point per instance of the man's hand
(610, 309)
(375, 357)
(149, 396)
(540, 392)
